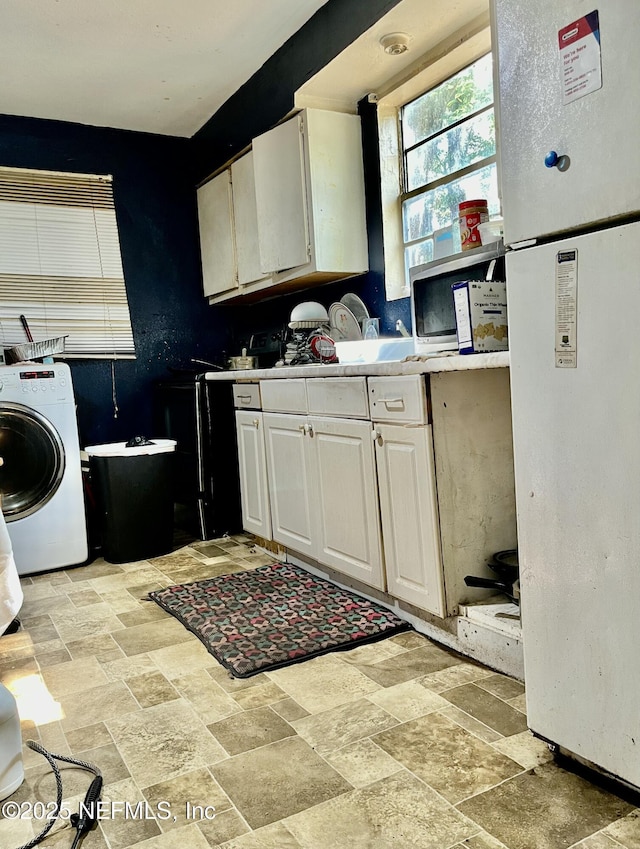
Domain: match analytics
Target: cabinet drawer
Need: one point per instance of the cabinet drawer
(398, 399)
(246, 396)
(338, 396)
(288, 395)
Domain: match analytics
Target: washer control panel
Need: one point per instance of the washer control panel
(49, 385)
(36, 375)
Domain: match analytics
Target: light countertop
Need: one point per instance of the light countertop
(410, 365)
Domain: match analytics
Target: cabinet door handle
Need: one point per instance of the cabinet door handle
(389, 401)
(306, 429)
(256, 423)
(246, 398)
(302, 428)
(376, 436)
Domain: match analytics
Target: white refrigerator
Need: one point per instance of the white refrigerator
(569, 83)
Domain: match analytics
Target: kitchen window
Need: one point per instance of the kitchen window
(437, 140)
(60, 263)
(448, 142)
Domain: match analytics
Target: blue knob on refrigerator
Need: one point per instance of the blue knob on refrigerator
(551, 159)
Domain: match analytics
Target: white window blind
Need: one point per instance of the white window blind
(60, 263)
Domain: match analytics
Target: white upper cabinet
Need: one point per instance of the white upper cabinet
(217, 244)
(243, 189)
(288, 214)
(281, 197)
(310, 198)
(229, 231)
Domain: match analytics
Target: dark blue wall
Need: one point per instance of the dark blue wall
(154, 189)
(157, 219)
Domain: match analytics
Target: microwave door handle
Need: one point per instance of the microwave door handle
(490, 271)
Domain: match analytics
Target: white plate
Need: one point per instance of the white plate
(355, 305)
(344, 324)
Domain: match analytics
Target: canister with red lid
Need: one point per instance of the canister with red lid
(471, 213)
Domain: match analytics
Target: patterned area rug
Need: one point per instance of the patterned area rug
(274, 616)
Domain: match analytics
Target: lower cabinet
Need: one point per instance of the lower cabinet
(256, 512)
(409, 515)
(323, 492)
(411, 502)
(290, 482)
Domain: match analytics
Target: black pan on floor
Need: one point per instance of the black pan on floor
(505, 565)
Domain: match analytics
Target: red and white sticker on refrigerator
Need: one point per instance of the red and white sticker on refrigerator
(580, 58)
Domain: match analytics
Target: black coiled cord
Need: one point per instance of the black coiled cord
(81, 823)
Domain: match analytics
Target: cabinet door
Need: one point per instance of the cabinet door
(346, 498)
(254, 493)
(409, 515)
(290, 482)
(217, 248)
(281, 197)
(245, 218)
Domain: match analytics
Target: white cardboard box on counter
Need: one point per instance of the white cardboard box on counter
(481, 316)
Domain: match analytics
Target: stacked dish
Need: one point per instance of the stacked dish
(345, 318)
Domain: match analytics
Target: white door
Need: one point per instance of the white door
(345, 491)
(409, 512)
(577, 464)
(254, 492)
(245, 220)
(278, 161)
(598, 132)
(290, 481)
(217, 245)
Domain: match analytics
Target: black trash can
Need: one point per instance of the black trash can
(134, 498)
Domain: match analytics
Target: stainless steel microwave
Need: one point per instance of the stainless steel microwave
(432, 307)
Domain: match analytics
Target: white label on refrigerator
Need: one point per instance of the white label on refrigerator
(566, 308)
(580, 59)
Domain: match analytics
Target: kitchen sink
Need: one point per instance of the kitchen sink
(375, 350)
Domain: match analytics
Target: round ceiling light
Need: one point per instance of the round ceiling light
(395, 43)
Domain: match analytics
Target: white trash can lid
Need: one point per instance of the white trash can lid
(119, 449)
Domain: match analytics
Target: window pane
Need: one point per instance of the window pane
(465, 93)
(438, 207)
(453, 150)
(418, 254)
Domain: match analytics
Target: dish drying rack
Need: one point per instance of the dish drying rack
(31, 351)
(298, 348)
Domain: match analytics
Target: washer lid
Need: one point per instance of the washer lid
(120, 449)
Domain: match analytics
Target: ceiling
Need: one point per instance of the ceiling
(157, 66)
(430, 31)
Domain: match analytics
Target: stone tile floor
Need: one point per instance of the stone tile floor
(392, 745)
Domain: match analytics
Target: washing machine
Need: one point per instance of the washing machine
(40, 477)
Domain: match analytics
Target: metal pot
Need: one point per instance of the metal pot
(242, 362)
